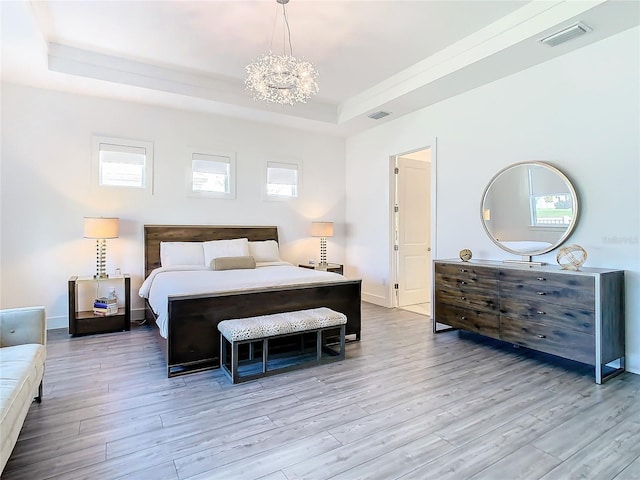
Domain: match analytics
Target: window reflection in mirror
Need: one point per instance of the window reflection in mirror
(551, 203)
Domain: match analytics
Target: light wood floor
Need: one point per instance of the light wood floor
(404, 404)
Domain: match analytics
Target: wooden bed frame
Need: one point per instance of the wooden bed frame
(193, 340)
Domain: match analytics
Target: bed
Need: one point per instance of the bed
(190, 340)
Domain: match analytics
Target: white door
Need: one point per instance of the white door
(414, 231)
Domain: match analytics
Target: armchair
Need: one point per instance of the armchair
(23, 334)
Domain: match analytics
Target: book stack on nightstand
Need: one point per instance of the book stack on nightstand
(104, 306)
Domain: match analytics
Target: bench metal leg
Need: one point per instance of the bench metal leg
(234, 362)
(265, 354)
(343, 329)
(318, 345)
(223, 350)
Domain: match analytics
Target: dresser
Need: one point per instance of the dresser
(577, 315)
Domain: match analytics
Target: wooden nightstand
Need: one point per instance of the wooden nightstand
(331, 267)
(84, 321)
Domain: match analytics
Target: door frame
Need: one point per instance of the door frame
(393, 263)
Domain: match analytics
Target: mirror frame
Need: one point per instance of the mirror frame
(566, 234)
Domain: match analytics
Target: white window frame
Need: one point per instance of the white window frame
(97, 141)
(275, 163)
(208, 152)
(535, 222)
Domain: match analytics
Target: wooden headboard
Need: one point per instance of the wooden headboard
(154, 234)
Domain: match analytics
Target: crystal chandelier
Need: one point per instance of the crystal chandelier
(282, 78)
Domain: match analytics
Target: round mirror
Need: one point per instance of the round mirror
(529, 208)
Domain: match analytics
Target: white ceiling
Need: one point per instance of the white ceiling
(396, 55)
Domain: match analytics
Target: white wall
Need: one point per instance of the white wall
(46, 190)
(579, 112)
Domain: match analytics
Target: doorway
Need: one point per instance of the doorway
(412, 229)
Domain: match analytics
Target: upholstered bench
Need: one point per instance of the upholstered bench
(261, 329)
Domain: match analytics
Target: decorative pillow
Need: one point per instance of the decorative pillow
(266, 251)
(233, 263)
(181, 253)
(238, 247)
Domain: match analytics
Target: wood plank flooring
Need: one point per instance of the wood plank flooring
(405, 403)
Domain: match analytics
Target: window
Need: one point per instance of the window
(551, 204)
(553, 210)
(282, 180)
(122, 163)
(211, 174)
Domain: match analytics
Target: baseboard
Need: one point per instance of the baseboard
(54, 323)
(632, 363)
(376, 299)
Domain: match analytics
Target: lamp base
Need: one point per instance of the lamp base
(101, 259)
(323, 252)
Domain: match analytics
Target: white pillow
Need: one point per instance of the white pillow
(238, 247)
(181, 253)
(266, 251)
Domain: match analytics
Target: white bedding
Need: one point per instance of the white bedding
(191, 280)
(526, 245)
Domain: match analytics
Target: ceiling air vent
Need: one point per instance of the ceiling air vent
(378, 115)
(566, 34)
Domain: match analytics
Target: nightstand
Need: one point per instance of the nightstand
(82, 322)
(331, 267)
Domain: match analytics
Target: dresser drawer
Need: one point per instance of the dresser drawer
(467, 271)
(540, 311)
(565, 343)
(468, 284)
(561, 289)
(481, 297)
(477, 321)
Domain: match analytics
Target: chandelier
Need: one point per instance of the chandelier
(282, 78)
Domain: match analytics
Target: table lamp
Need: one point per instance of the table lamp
(322, 230)
(100, 228)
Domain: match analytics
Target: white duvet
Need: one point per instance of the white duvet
(526, 245)
(192, 280)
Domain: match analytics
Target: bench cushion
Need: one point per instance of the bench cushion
(280, 324)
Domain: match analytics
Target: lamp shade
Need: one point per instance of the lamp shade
(322, 229)
(100, 227)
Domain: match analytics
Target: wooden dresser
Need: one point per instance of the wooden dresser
(577, 315)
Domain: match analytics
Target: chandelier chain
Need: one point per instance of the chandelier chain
(286, 22)
(285, 32)
(273, 30)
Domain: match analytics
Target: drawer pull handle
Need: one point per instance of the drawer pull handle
(463, 270)
(463, 318)
(540, 312)
(463, 298)
(542, 279)
(542, 336)
(541, 293)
